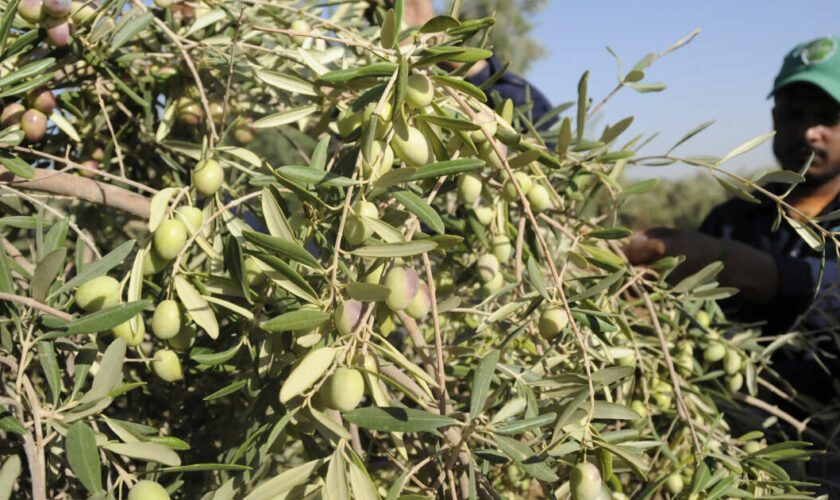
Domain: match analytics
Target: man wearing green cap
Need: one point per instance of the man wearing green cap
(781, 278)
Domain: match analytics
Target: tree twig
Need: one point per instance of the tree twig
(35, 305)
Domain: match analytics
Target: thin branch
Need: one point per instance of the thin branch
(35, 305)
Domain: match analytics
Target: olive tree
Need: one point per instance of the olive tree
(259, 249)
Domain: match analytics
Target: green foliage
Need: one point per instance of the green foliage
(462, 396)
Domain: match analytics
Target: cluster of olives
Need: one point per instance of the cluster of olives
(190, 114)
(31, 117)
(56, 17)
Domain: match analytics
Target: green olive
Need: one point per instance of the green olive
(343, 390)
(12, 114)
(356, 229)
(383, 122)
(380, 162)
(192, 217)
(166, 321)
(300, 26)
(81, 13)
(254, 273)
(421, 304)
(731, 362)
(539, 198)
(57, 8)
(411, 146)
(487, 123)
(714, 353)
(735, 382)
(419, 91)
(752, 447)
(585, 482)
(185, 338)
(486, 151)
(31, 10)
(703, 319)
(170, 238)
(469, 187)
(402, 284)
(488, 267)
(347, 316)
(552, 321)
(148, 490)
(502, 248)
(639, 407)
(153, 263)
(484, 214)
(244, 134)
(525, 184)
(493, 286)
(98, 293)
(348, 121)
(208, 177)
(674, 484)
(132, 336)
(167, 366)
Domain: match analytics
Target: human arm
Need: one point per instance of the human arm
(752, 271)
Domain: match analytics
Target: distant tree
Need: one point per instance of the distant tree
(510, 36)
(682, 203)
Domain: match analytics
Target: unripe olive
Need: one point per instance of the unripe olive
(539, 198)
(91, 165)
(735, 382)
(254, 273)
(31, 10)
(419, 90)
(170, 238)
(585, 482)
(42, 99)
(714, 353)
(674, 484)
(493, 286)
(469, 187)
(502, 247)
(752, 447)
(421, 304)
(185, 338)
(132, 336)
(34, 125)
(488, 267)
(484, 214)
(486, 151)
(380, 162)
(300, 26)
(167, 366)
(153, 263)
(383, 122)
(57, 8)
(12, 114)
(207, 177)
(81, 13)
(58, 31)
(412, 147)
(525, 184)
(552, 321)
(244, 134)
(163, 4)
(347, 316)
(731, 362)
(662, 395)
(703, 319)
(402, 284)
(356, 229)
(385, 321)
(192, 217)
(343, 390)
(166, 321)
(487, 123)
(348, 120)
(148, 490)
(98, 293)
(217, 112)
(189, 112)
(639, 407)
(685, 363)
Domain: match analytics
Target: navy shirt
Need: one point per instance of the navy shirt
(798, 295)
(515, 88)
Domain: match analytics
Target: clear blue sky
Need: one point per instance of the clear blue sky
(724, 74)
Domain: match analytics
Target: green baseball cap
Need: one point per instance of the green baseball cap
(816, 62)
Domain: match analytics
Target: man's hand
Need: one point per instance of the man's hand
(751, 271)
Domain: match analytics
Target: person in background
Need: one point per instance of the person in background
(782, 280)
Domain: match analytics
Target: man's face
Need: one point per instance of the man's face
(807, 120)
